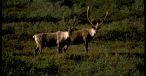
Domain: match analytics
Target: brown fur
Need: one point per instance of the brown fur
(84, 35)
(80, 36)
(50, 39)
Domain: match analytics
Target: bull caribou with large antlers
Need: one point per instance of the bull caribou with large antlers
(85, 35)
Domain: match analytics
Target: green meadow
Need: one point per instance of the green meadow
(116, 50)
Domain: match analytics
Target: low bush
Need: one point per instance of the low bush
(15, 66)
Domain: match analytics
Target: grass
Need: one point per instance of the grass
(101, 59)
(105, 57)
(116, 50)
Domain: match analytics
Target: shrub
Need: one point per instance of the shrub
(51, 69)
(24, 36)
(8, 30)
(15, 66)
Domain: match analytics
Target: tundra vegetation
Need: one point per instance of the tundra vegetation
(116, 50)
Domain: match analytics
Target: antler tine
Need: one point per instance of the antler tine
(100, 23)
(74, 21)
(65, 23)
(105, 15)
(88, 16)
(104, 18)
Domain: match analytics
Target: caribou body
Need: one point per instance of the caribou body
(84, 35)
(59, 39)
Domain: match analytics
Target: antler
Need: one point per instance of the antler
(69, 24)
(104, 18)
(105, 15)
(88, 16)
(65, 23)
(75, 22)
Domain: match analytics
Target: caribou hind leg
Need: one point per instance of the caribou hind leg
(40, 49)
(36, 51)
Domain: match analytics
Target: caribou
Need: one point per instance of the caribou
(85, 35)
(59, 38)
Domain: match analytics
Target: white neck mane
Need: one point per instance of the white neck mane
(92, 32)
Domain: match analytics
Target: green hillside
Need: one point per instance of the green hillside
(116, 50)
